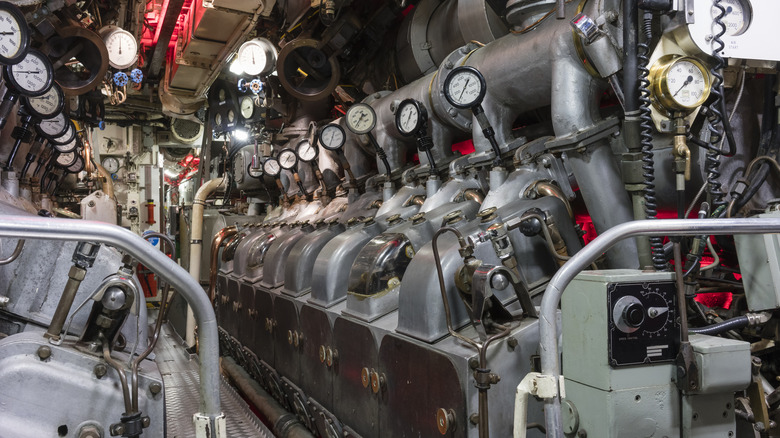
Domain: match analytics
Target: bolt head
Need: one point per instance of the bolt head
(155, 388)
(44, 352)
(100, 370)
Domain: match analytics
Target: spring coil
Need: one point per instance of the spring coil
(646, 140)
(712, 160)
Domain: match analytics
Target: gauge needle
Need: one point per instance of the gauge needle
(687, 81)
(409, 117)
(464, 88)
(6, 33)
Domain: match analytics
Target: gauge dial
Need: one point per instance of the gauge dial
(111, 164)
(247, 107)
(218, 120)
(122, 47)
(66, 159)
(66, 147)
(464, 87)
(306, 151)
(287, 159)
(77, 166)
(679, 84)
(361, 118)
(222, 95)
(14, 34)
(53, 127)
(256, 56)
(67, 137)
(47, 105)
(254, 172)
(231, 116)
(33, 75)
(332, 137)
(410, 117)
(271, 166)
(737, 18)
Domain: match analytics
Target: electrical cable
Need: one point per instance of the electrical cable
(717, 122)
(646, 139)
(720, 328)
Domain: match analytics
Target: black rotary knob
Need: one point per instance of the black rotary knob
(634, 314)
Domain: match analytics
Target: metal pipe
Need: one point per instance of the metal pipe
(552, 297)
(196, 243)
(120, 371)
(32, 227)
(546, 188)
(75, 277)
(216, 243)
(285, 424)
(108, 186)
(15, 255)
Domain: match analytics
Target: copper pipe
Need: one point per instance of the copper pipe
(546, 188)
(215, 244)
(475, 195)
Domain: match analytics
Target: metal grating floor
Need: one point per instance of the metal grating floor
(180, 373)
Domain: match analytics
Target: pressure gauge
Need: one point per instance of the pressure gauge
(53, 127)
(306, 151)
(46, 105)
(67, 136)
(231, 116)
(218, 120)
(738, 16)
(257, 56)
(77, 166)
(410, 117)
(222, 94)
(464, 87)
(271, 166)
(254, 172)
(287, 159)
(679, 83)
(121, 46)
(332, 137)
(361, 118)
(247, 107)
(66, 160)
(14, 34)
(33, 75)
(64, 148)
(111, 164)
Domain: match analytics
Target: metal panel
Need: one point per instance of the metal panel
(354, 403)
(263, 332)
(316, 374)
(298, 271)
(245, 319)
(287, 353)
(273, 268)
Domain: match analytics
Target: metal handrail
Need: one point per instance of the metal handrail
(550, 355)
(33, 227)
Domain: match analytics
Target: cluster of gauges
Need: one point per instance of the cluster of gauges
(227, 110)
(331, 137)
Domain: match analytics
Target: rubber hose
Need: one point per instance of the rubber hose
(716, 329)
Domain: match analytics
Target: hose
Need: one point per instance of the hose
(15, 255)
(646, 140)
(716, 329)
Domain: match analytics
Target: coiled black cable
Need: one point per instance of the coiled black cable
(646, 139)
(716, 128)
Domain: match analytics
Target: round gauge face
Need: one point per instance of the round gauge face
(122, 48)
(361, 118)
(464, 87)
(231, 116)
(221, 95)
(67, 159)
(53, 127)
(287, 159)
(48, 104)
(680, 84)
(218, 120)
(737, 18)
(306, 151)
(111, 164)
(66, 147)
(78, 166)
(247, 107)
(332, 137)
(254, 172)
(271, 166)
(14, 34)
(252, 58)
(32, 76)
(410, 117)
(67, 137)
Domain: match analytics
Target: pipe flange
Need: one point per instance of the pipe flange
(322, 72)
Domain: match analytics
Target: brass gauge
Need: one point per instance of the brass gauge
(679, 83)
